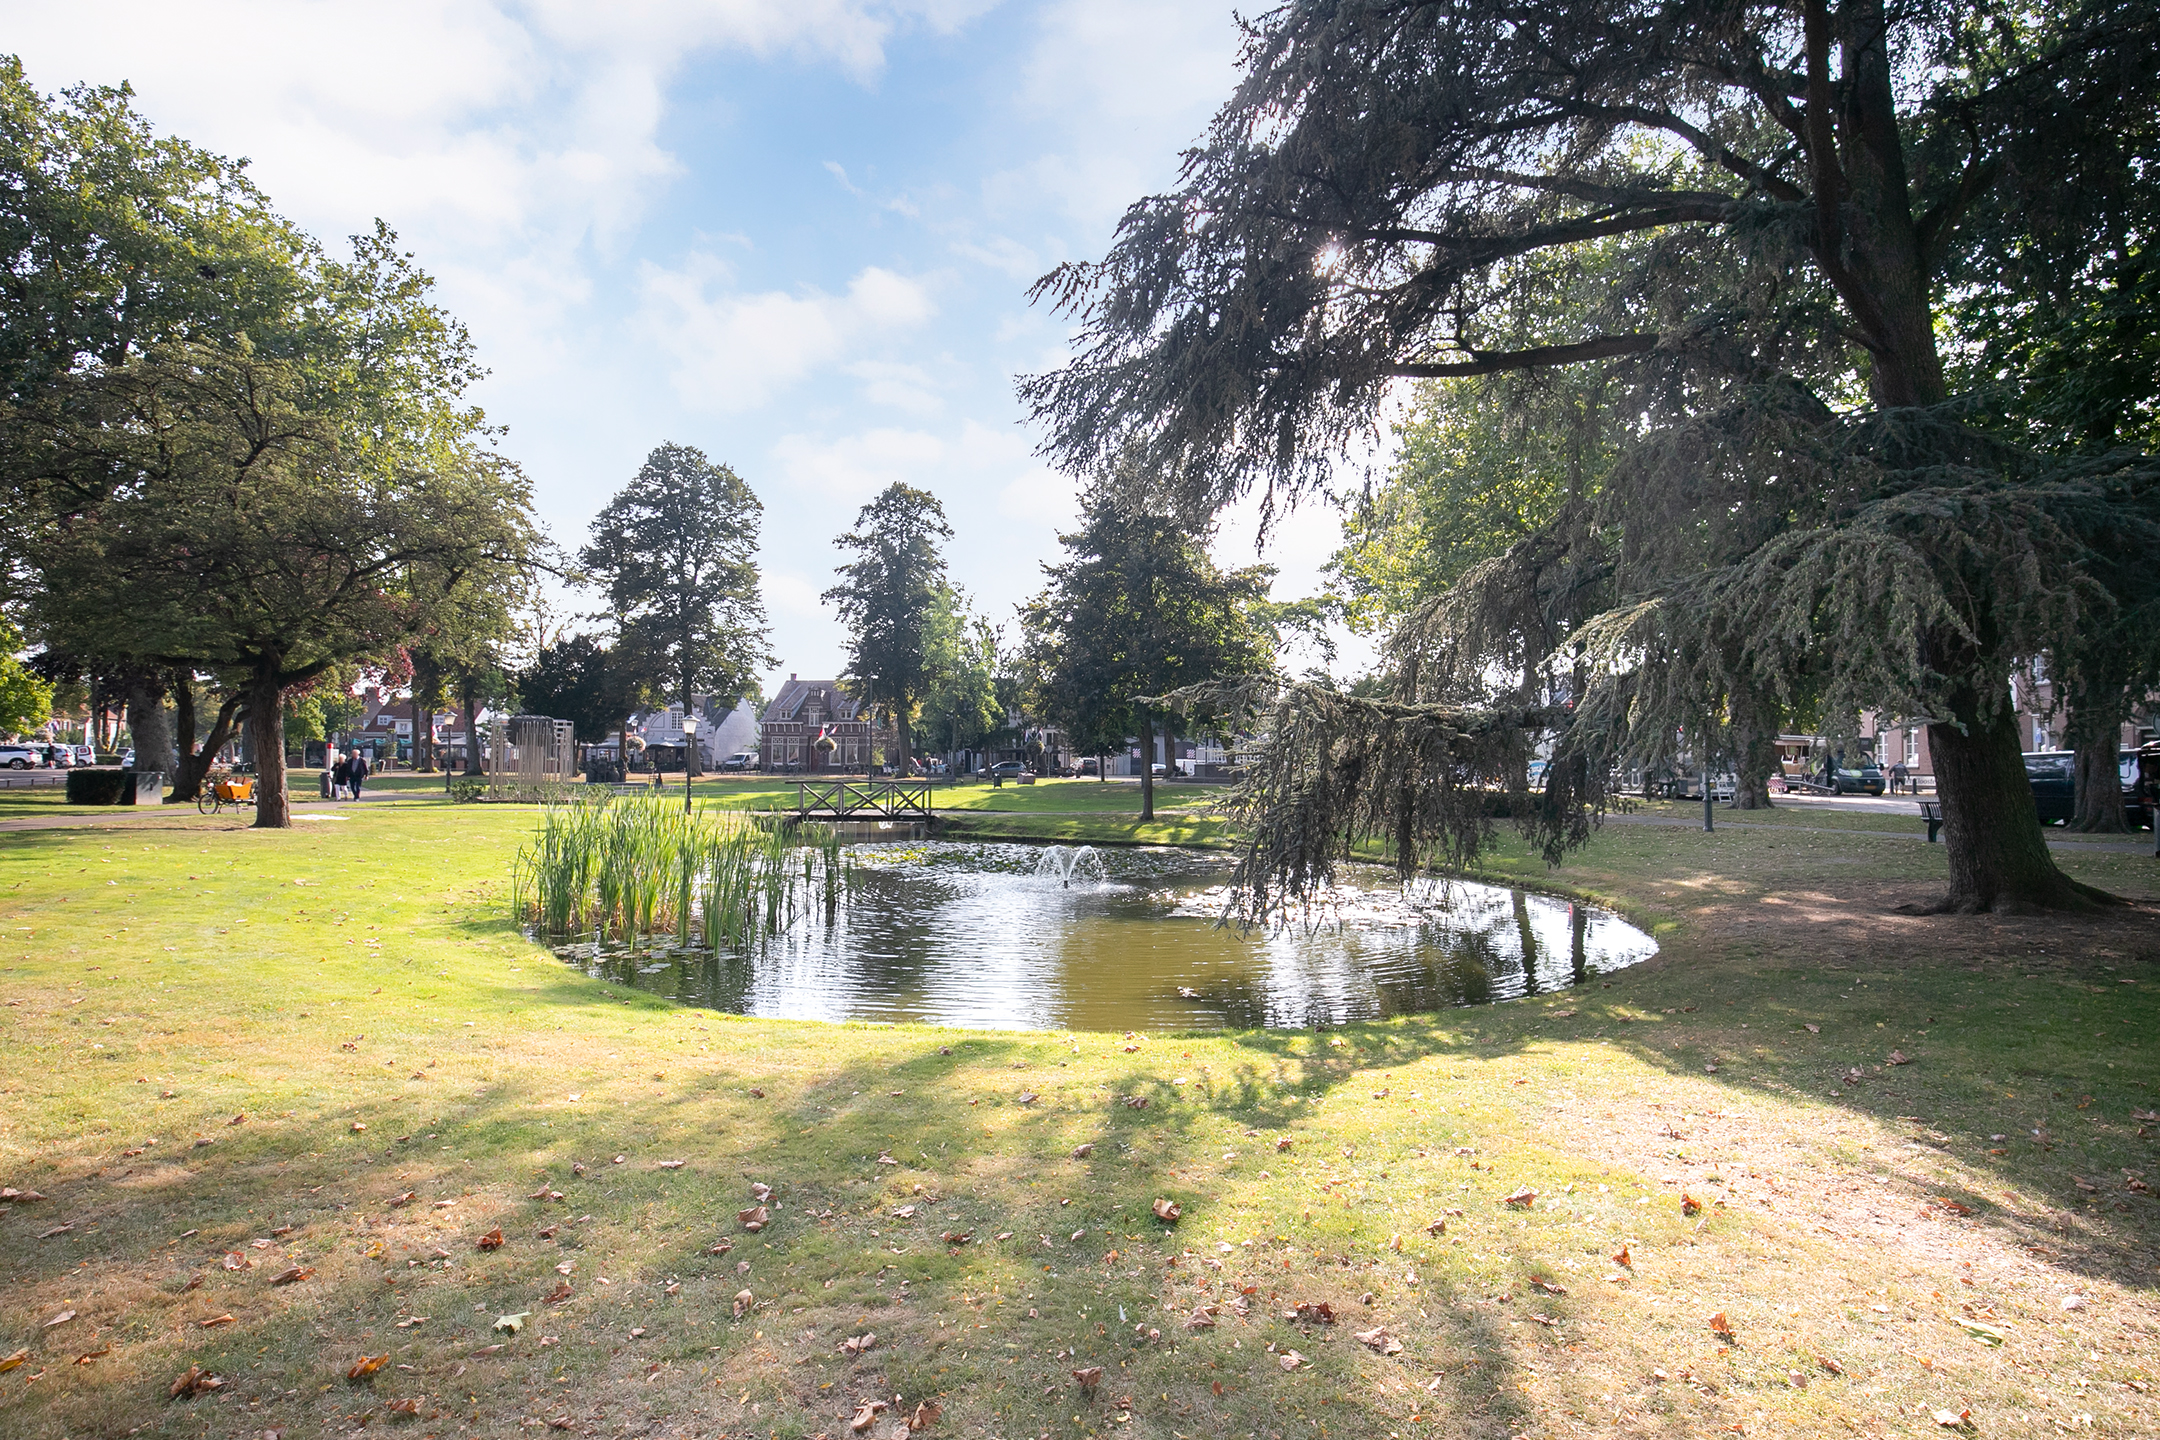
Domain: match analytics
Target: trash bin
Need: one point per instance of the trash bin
(326, 784)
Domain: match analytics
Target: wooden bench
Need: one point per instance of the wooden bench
(1931, 811)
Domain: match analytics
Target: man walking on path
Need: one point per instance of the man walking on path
(359, 772)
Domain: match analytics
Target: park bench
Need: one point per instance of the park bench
(1931, 811)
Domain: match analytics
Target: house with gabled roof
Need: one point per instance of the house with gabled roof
(803, 712)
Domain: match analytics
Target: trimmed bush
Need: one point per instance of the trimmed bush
(100, 787)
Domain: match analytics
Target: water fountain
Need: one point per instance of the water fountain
(1060, 864)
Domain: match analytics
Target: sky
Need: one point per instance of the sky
(797, 234)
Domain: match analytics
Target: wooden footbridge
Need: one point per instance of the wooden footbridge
(862, 800)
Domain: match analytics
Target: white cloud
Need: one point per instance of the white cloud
(1002, 252)
(903, 387)
(733, 352)
(852, 468)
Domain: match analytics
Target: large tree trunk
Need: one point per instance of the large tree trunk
(472, 722)
(1753, 719)
(195, 760)
(426, 697)
(266, 736)
(907, 739)
(147, 720)
(2099, 775)
(1998, 855)
(1147, 767)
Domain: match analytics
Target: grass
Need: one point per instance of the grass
(200, 1019)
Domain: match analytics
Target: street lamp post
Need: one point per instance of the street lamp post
(689, 750)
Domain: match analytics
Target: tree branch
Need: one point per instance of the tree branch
(1492, 362)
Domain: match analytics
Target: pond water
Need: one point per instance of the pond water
(1019, 937)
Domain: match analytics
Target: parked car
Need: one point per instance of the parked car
(743, 760)
(59, 756)
(1009, 770)
(84, 755)
(1158, 771)
(20, 757)
(2053, 776)
(127, 758)
(1857, 780)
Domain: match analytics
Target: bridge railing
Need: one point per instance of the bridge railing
(843, 799)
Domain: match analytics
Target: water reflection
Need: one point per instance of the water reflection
(973, 935)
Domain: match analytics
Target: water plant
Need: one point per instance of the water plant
(629, 867)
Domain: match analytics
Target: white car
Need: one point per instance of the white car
(20, 757)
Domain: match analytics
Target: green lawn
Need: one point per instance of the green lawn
(221, 1042)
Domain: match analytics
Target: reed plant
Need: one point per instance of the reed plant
(629, 867)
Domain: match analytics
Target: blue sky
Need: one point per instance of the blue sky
(795, 233)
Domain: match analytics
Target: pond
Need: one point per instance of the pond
(1020, 937)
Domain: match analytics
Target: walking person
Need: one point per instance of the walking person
(340, 777)
(359, 772)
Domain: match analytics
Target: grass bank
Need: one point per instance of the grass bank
(227, 1048)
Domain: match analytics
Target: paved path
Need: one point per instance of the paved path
(122, 814)
(2138, 844)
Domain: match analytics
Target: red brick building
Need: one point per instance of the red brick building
(803, 711)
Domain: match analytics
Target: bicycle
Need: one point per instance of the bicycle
(224, 792)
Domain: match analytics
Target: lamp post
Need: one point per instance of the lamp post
(689, 735)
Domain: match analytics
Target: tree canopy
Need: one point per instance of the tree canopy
(675, 552)
(1759, 218)
(888, 597)
(1138, 609)
(224, 450)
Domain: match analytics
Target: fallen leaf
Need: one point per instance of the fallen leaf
(9, 1192)
(868, 1412)
(89, 1355)
(56, 1230)
(491, 1241)
(743, 1301)
(410, 1405)
(1720, 1326)
(670, 1165)
(1954, 1207)
(1689, 1205)
(234, 1260)
(358, 1126)
(543, 1193)
(1620, 1257)
(1081, 1152)
(2073, 1302)
(10, 1362)
(1317, 1312)
(495, 1349)
(760, 1191)
(1030, 1098)
(754, 1219)
(197, 1381)
(956, 1237)
(367, 1365)
(1200, 1320)
(721, 1248)
(925, 1415)
(1548, 1286)
(1899, 1057)
(292, 1275)
(1525, 1197)
(858, 1344)
(560, 1293)
(216, 1320)
(1378, 1339)
(1290, 1359)
(1951, 1419)
(1088, 1378)
(60, 1319)
(1167, 1211)
(511, 1324)
(399, 1202)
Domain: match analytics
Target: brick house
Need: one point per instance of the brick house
(807, 709)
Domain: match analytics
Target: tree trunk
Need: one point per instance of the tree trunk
(1147, 767)
(472, 722)
(266, 735)
(1753, 720)
(426, 695)
(1999, 859)
(147, 721)
(195, 760)
(2099, 806)
(907, 739)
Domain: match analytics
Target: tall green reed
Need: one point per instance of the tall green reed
(631, 867)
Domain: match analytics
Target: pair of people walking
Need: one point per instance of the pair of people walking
(348, 775)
